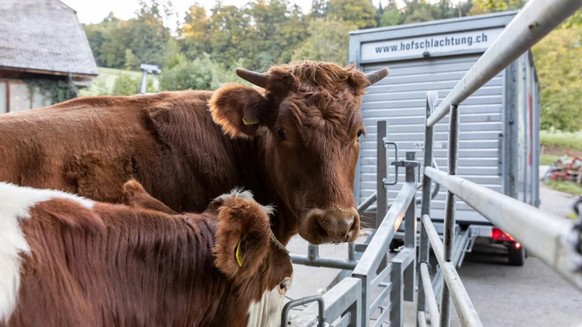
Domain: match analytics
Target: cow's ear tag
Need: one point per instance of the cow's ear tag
(250, 116)
(239, 255)
(248, 122)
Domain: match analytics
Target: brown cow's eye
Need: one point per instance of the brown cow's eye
(360, 132)
(282, 134)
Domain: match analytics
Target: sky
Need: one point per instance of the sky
(90, 11)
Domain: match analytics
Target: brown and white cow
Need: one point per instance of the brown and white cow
(69, 261)
(294, 145)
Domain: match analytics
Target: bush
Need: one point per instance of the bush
(125, 85)
(200, 74)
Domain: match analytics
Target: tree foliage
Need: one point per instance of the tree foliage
(200, 74)
(124, 44)
(360, 13)
(486, 6)
(327, 42)
(557, 59)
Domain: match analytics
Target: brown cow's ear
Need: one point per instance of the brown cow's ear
(134, 195)
(240, 110)
(242, 236)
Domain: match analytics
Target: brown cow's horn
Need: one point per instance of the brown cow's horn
(375, 76)
(259, 79)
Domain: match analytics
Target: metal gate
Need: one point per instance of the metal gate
(374, 292)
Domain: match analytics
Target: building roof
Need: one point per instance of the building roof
(43, 36)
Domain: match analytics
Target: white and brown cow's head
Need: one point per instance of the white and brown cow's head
(309, 119)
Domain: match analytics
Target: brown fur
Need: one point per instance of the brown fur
(121, 266)
(170, 143)
(134, 195)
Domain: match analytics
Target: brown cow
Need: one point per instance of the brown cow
(69, 261)
(294, 145)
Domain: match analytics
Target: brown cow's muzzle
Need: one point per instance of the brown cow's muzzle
(331, 225)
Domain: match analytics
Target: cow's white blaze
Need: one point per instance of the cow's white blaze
(15, 202)
(267, 311)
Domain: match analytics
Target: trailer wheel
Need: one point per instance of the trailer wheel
(516, 256)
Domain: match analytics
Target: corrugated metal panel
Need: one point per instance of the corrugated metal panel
(400, 100)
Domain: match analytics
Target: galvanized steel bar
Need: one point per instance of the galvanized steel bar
(367, 203)
(421, 319)
(449, 232)
(399, 264)
(410, 235)
(424, 249)
(463, 304)
(345, 297)
(430, 297)
(323, 262)
(381, 277)
(384, 293)
(302, 301)
(544, 235)
(534, 21)
(381, 203)
(371, 259)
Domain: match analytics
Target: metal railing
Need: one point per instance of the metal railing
(547, 237)
(379, 283)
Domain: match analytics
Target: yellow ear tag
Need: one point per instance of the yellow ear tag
(239, 255)
(250, 121)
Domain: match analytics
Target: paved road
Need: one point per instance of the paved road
(503, 295)
(532, 295)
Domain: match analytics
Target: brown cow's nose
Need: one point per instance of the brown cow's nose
(332, 225)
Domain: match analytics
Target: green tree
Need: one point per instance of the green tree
(147, 36)
(276, 30)
(200, 74)
(293, 32)
(125, 85)
(391, 15)
(318, 8)
(328, 41)
(195, 32)
(229, 35)
(420, 11)
(557, 59)
(361, 13)
(486, 6)
(131, 61)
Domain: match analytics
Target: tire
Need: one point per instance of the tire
(516, 256)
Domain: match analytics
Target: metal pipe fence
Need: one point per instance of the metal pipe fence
(547, 237)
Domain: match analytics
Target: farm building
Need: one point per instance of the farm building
(43, 51)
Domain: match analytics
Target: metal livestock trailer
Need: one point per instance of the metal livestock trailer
(378, 281)
(499, 123)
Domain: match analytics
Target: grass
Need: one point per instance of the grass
(565, 186)
(109, 75)
(548, 159)
(562, 141)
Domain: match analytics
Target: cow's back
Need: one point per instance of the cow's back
(91, 146)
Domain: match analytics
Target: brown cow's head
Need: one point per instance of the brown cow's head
(309, 118)
(248, 253)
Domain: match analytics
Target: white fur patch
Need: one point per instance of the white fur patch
(246, 195)
(267, 312)
(15, 202)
